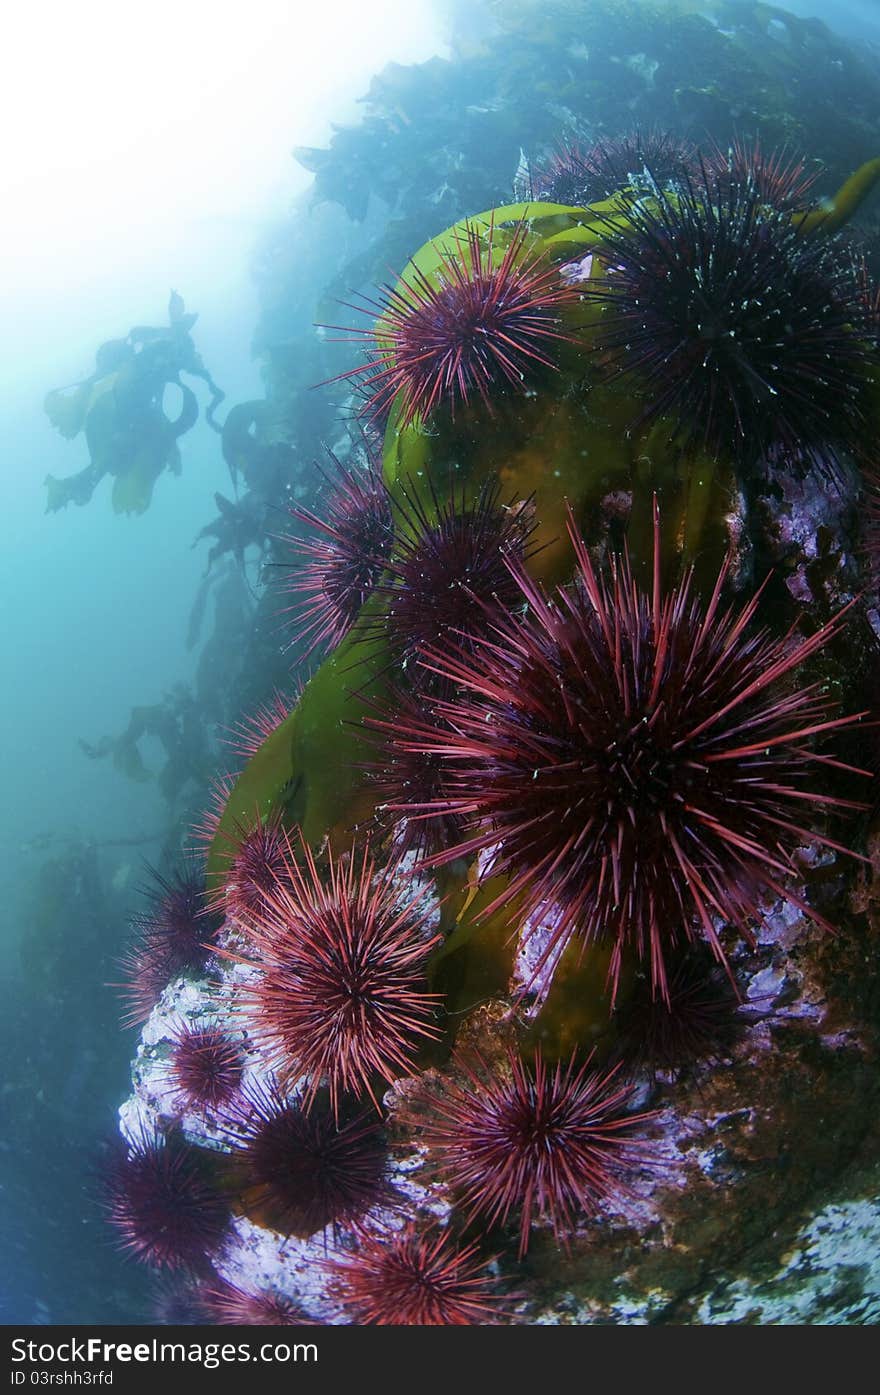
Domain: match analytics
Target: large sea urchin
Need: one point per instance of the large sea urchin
(340, 994)
(638, 762)
(747, 333)
(485, 321)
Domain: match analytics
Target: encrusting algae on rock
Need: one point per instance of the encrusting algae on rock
(560, 829)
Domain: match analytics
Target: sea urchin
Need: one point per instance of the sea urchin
(160, 1196)
(340, 994)
(539, 1143)
(639, 763)
(747, 333)
(335, 572)
(304, 1171)
(206, 1066)
(414, 1279)
(487, 319)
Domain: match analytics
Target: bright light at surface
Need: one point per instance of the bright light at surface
(127, 128)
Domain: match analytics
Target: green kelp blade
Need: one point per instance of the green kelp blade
(311, 767)
(832, 214)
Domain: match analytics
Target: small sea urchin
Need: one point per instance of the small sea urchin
(160, 1196)
(485, 321)
(247, 735)
(206, 1066)
(561, 177)
(334, 573)
(642, 160)
(257, 859)
(172, 937)
(227, 1304)
(538, 1143)
(746, 333)
(409, 784)
(638, 763)
(584, 174)
(697, 1023)
(415, 1279)
(340, 994)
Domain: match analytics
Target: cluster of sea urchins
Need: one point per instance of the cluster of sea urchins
(630, 768)
(579, 174)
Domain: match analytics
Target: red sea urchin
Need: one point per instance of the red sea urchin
(206, 1066)
(779, 178)
(225, 1303)
(257, 860)
(169, 939)
(538, 1143)
(408, 784)
(638, 762)
(414, 1279)
(342, 957)
(450, 561)
(160, 1196)
(748, 334)
(247, 735)
(336, 572)
(485, 321)
(305, 1171)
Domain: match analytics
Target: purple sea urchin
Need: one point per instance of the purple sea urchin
(409, 783)
(698, 1022)
(336, 572)
(171, 938)
(747, 334)
(561, 177)
(584, 174)
(161, 1198)
(449, 563)
(646, 160)
(304, 1171)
